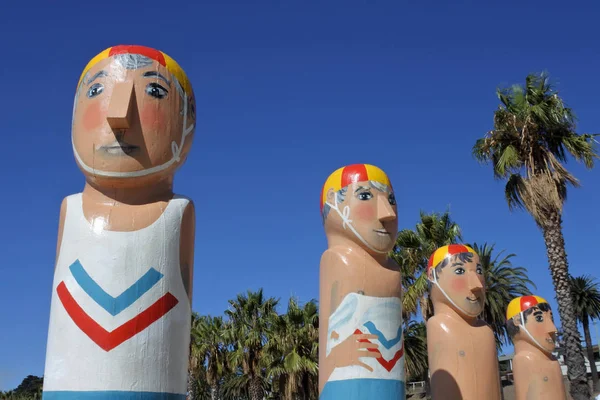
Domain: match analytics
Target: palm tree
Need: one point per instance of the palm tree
(586, 297)
(412, 251)
(209, 349)
(415, 351)
(195, 365)
(198, 388)
(293, 350)
(503, 283)
(533, 133)
(251, 317)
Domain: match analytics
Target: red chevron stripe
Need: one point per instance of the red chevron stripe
(109, 340)
(387, 364)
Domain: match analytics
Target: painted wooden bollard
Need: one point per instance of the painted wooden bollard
(361, 339)
(461, 347)
(536, 372)
(121, 298)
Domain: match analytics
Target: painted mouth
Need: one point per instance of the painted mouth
(549, 340)
(381, 232)
(473, 300)
(119, 148)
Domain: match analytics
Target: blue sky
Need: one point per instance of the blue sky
(287, 92)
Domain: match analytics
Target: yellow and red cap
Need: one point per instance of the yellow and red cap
(349, 174)
(447, 251)
(520, 304)
(156, 55)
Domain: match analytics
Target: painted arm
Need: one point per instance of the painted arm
(186, 248)
(61, 227)
(328, 301)
(443, 364)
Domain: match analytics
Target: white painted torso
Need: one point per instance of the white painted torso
(153, 360)
(358, 311)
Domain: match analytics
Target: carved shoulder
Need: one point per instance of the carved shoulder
(61, 226)
(186, 247)
(331, 274)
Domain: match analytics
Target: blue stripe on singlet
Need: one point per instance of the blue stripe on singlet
(110, 395)
(364, 389)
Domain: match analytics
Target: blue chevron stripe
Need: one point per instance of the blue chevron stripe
(388, 344)
(111, 304)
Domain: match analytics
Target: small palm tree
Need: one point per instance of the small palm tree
(293, 351)
(412, 251)
(586, 297)
(503, 283)
(209, 349)
(415, 351)
(251, 319)
(533, 134)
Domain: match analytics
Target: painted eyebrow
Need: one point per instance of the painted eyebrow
(149, 74)
(96, 76)
(361, 188)
(457, 264)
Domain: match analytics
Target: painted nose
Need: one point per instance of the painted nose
(474, 282)
(552, 331)
(121, 106)
(385, 212)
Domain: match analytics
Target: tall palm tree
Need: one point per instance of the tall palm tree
(412, 251)
(586, 297)
(209, 349)
(503, 283)
(533, 134)
(251, 318)
(293, 350)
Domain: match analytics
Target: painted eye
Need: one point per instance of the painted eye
(459, 271)
(479, 270)
(156, 90)
(539, 318)
(95, 90)
(392, 199)
(365, 196)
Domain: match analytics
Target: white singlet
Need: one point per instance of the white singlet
(381, 316)
(120, 315)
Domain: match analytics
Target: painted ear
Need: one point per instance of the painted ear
(517, 320)
(331, 196)
(192, 108)
(430, 274)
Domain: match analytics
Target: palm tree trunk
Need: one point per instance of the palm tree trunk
(214, 392)
(559, 269)
(256, 390)
(190, 388)
(590, 350)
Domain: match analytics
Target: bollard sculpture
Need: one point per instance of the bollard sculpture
(361, 347)
(120, 311)
(461, 347)
(537, 373)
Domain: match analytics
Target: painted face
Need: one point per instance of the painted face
(128, 119)
(369, 213)
(540, 324)
(461, 279)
